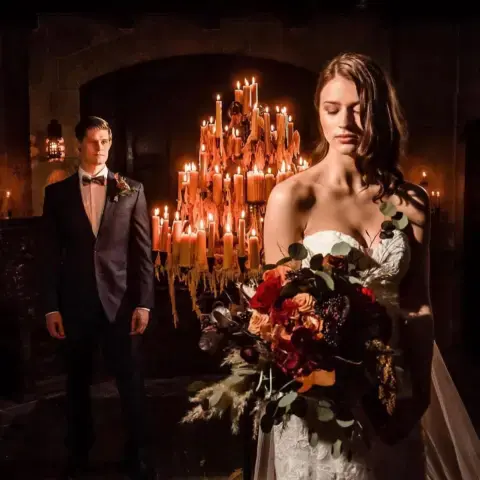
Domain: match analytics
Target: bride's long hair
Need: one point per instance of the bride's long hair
(384, 128)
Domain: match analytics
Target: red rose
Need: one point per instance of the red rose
(266, 294)
(368, 293)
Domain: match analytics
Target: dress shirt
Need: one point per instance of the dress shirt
(93, 198)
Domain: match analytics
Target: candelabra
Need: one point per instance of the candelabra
(216, 236)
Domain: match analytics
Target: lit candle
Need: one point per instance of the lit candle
(241, 235)
(239, 94)
(181, 175)
(193, 183)
(238, 188)
(282, 173)
(185, 246)
(169, 242)
(217, 186)
(281, 126)
(254, 134)
(156, 230)
(177, 227)
(424, 181)
(227, 182)
(218, 119)
(290, 130)
(266, 129)
(247, 97)
(289, 171)
(211, 235)
(211, 125)
(227, 247)
(164, 234)
(203, 131)
(254, 91)
(255, 185)
(269, 183)
(254, 250)
(203, 162)
(201, 249)
(193, 247)
(237, 143)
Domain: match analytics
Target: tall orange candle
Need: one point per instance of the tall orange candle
(177, 227)
(193, 183)
(164, 231)
(266, 129)
(289, 130)
(269, 183)
(203, 162)
(227, 247)
(237, 143)
(185, 248)
(201, 244)
(254, 91)
(218, 117)
(241, 235)
(255, 185)
(254, 250)
(238, 188)
(239, 94)
(217, 186)
(211, 235)
(156, 230)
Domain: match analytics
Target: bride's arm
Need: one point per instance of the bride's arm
(283, 220)
(418, 332)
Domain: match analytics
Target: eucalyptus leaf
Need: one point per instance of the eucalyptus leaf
(269, 266)
(388, 209)
(283, 261)
(337, 449)
(354, 280)
(242, 372)
(401, 223)
(345, 423)
(297, 251)
(316, 262)
(325, 414)
(288, 399)
(234, 379)
(351, 267)
(215, 398)
(326, 278)
(313, 440)
(324, 403)
(341, 249)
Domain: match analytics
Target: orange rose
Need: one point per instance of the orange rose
(259, 323)
(314, 324)
(280, 271)
(305, 303)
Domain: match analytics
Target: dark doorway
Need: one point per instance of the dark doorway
(471, 236)
(156, 109)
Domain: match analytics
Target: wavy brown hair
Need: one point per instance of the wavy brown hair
(384, 128)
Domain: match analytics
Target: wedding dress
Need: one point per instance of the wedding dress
(443, 447)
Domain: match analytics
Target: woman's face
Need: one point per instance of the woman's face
(340, 115)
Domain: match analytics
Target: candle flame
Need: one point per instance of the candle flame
(210, 217)
(155, 212)
(226, 128)
(203, 148)
(228, 228)
(253, 79)
(261, 219)
(238, 85)
(177, 216)
(424, 174)
(204, 123)
(269, 170)
(227, 177)
(438, 193)
(8, 193)
(161, 222)
(272, 128)
(165, 209)
(189, 230)
(202, 226)
(218, 98)
(267, 110)
(211, 119)
(255, 106)
(216, 168)
(243, 213)
(238, 170)
(433, 193)
(246, 83)
(283, 166)
(194, 168)
(237, 132)
(300, 161)
(255, 169)
(254, 233)
(284, 110)
(290, 118)
(185, 178)
(277, 108)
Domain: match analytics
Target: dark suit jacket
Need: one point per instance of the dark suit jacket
(79, 268)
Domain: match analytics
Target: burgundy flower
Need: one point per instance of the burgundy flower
(266, 294)
(336, 261)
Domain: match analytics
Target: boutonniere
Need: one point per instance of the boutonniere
(123, 188)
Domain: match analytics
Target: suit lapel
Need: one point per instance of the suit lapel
(109, 201)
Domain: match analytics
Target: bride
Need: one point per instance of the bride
(362, 140)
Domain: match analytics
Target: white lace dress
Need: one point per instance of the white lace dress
(286, 454)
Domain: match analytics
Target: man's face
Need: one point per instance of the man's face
(95, 146)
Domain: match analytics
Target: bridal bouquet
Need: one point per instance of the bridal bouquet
(312, 342)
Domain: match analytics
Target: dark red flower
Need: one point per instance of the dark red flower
(337, 262)
(266, 294)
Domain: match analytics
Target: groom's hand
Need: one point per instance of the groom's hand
(139, 321)
(55, 325)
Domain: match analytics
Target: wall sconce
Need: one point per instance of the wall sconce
(55, 145)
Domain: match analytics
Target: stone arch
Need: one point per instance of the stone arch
(56, 175)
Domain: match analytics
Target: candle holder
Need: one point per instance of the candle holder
(211, 263)
(241, 263)
(163, 258)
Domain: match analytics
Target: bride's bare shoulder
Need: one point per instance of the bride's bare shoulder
(294, 192)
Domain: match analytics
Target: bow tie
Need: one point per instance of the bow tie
(100, 180)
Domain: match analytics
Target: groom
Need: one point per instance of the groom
(98, 283)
